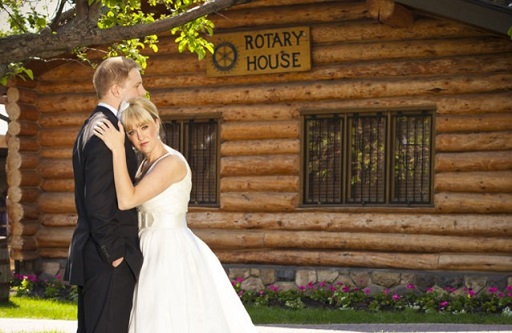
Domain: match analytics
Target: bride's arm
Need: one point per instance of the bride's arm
(167, 171)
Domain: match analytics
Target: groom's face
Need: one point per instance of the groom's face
(132, 86)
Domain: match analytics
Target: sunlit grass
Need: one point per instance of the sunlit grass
(25, 307)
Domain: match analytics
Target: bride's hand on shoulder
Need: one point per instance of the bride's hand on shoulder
(113, 138)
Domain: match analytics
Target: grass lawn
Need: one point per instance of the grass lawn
(23, 307)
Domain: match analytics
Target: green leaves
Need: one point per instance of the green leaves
(114, 13)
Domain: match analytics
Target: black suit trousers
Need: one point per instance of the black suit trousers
(105, 300)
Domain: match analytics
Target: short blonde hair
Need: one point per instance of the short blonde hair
(140, 111)
(112, 71)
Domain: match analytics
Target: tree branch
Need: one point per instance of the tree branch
(20, 48)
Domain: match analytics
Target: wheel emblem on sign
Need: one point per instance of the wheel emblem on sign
(225, 56)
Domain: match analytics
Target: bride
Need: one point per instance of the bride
(182, 287)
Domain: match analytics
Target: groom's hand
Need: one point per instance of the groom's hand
(117, 262)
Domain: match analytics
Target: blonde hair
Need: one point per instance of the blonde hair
(112, 71)
(140, 111)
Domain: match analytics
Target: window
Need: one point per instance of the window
(357, 159)
(197, 140)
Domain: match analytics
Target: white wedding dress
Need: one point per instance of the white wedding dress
(182, 287)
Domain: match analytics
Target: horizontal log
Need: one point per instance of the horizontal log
(56, 152)
(64, 103)
(260, 184)
(53, 253)
(22, 245)
(30, 228)
(411, 49)
(20, 254)
(474, 141)
(23, 194)
(372, 222)
(18, 111)
(299, 92)
(458, 65)
(23, 144)
(476, 262)
(339, 89)
(49, 120)
(58, 137)
(464, 104)
(23, 128)
(20, 94)
(488, 182)
(21, 211)
(258, 202)
(54, 237)
(481, 203)
(57, 202)
(58, 185)
(479, 123)
(348, 241)
(55, 169)
(418, 261)
(259, 165)
(260, 130)
(22, 160)
(23, 177)
(260, 147)
(58, 220)
(193, 77)
(474, 161)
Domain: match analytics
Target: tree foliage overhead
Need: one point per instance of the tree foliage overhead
(127, 26)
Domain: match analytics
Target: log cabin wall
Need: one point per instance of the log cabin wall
(464, 73)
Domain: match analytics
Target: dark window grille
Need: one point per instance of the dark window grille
(367, 159)
(358, 159)
(412, 158)
(323, 160)
(197, 140)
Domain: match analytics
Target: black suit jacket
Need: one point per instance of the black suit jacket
(114, 232)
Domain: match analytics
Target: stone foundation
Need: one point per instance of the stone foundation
(256, 278)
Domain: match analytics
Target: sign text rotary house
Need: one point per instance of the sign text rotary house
(260, 52)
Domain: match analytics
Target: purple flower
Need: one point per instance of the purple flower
(493, 290)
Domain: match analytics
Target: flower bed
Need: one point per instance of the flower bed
(321, 295)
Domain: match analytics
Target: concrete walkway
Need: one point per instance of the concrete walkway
(8, 325)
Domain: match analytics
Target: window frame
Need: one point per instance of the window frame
(346, 113)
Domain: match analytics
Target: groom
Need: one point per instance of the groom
(104, 257)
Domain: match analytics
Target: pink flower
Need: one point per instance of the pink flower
(471, 293)
(346, 289)
(273, 288)
(411, 286)
(302, 288)
(493, 290)
(430, 290)
(367, 291)
(395, 297)
(444, 304)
